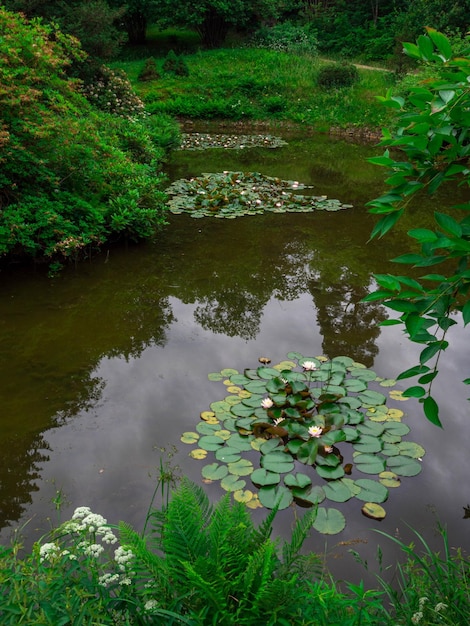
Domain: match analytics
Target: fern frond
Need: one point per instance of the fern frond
(187, 514)
(263, 532)
(303, 525)
(210, 593)
(149, 565)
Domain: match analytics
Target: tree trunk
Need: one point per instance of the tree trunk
(136, 26)
(213, 30)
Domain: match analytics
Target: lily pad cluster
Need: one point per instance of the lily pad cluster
(307, 431)
(204, 141)
(232, 194)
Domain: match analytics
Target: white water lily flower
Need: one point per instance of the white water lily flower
(309, 366)
(315, 431)
(278, 421)
(267, 403)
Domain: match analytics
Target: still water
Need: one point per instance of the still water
(105, 365)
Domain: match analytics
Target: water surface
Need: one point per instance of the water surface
(107, 364)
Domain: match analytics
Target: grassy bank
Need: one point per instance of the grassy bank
(260, 84)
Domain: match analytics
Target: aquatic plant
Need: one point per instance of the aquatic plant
(311, 412)
(204, 141)
(232, 194)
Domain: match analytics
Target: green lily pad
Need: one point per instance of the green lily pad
(396, 428)
(330, 473)
(270, 445)
(351, 485)
(307, 496)
(373, 429)
(329, 521)
(220, 407)
(241, 442)
(227, 454)
(363, 374)
(210, 442)
(374, 511)
(228, 372)
(404, 465)
(239, 379)
(369, 464)
(298, 480)
(368, 443)
(232, 483)
(264, 478)
(390, 449)
(278, 462)
(241, 410)
(272, 496)
(214, 471)
(409, 448)
(372, 398)
(223, 434)
(337, 491)
(203, 428)
(371, 490)
(243, 467)
(215, 376)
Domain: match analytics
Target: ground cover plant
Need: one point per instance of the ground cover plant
(261, 84)
(200, 564)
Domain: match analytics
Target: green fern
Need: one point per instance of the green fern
(216, 567)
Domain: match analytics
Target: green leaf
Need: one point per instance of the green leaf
(372, 398)
(329, 521)
(227, 454)
(431, 410)
(369, 464)
(466, 313)
(232, 483)
(214, 471)
(413, 371)
(242, 467)
(277, 462)
(409, 448)
(210, 442)
(279, 496)
(404, 465)
(263, 478)
(447, 223)
(368, 443)
(371, 490)
(414, 392)
(337, 491)
(441, 42)
(307, 453)
(431, 350)
(307, 496)
(298, 480)
(330, 473)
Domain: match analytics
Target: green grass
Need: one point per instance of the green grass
(260, 84)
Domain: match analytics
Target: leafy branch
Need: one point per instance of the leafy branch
(432, 131)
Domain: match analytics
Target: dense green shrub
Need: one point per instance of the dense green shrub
(335, 75)
(66, 161)
(174, 64)
(149, 71)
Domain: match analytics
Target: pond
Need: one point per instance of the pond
(106, 365)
